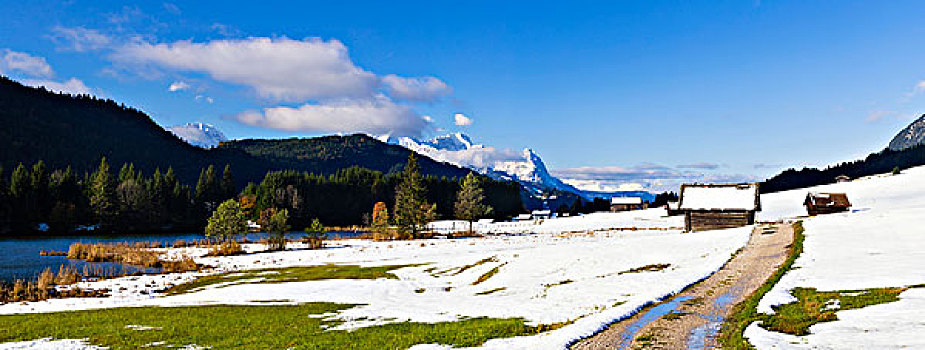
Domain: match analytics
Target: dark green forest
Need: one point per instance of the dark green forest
(77, 131)
(875, 163)
(52, 145)
(129, 201)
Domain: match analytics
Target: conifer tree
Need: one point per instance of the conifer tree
(207, 189)
(227, 185)
(470, 201)
(226, 222)
(411, 208)
(103, 196)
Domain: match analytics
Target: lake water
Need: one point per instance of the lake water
(19, 257)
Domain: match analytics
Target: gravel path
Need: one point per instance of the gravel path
(691, 319)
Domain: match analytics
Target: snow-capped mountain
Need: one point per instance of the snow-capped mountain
(199, 134)
(526, 167)
(912, 135)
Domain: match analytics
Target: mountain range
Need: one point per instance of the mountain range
(524, 167)
(910, 136)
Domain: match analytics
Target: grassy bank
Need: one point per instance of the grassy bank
(288, 274)
(815, 306)
(247, 327)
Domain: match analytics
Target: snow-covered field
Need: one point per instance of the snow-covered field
(547, 277)
(640, 219)
(881, 243)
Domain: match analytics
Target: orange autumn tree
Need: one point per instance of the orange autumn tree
(380, 224)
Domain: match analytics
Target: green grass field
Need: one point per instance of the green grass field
(815, 306)
(248, 327)
(288, 274)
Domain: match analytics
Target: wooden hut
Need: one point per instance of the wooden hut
(626, 203)
(842, 178)
(718, 206)
(826, 203)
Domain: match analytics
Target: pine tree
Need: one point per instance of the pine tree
(23, 203)
(227, 185)
(274, 222)
(470, 201)
(226, 222)
(207, 189)
(5, 212)
(103, 196)
(411, 208)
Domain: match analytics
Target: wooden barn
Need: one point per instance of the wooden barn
(826, 203)
(626, 203)
(718, 206)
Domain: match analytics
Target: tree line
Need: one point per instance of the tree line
(36, 199)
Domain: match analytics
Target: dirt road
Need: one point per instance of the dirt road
(691, 319)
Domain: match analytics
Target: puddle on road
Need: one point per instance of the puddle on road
(699, 335)
(656, 312)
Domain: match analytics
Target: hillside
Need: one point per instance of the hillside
(67, 130)
(328, 154)
(875, 163)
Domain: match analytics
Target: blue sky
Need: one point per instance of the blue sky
(610, 90)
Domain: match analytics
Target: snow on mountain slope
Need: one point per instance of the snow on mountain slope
(199, 134)
(912, 135)
(526, 167)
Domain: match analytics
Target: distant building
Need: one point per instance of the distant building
(826, 203)
(718, 206)
(626, 203)
(523, 217)
(673, 208)
(541, 214)
(842, 178)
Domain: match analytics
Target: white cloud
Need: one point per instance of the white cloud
(79, 39)
(208, 99)
(700, 165)
(279, 68)
(919, 87)
(878, 115)
(461, 119)
(651, 177)
(21, 62)
(372, 116)
(72, 86)
(178, 86)
(415, 89)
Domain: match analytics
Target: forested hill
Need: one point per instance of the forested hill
(328, 154)
(875, 163)
(65, 130)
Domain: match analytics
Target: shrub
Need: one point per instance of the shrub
(314, 235)
(46, 279)
(225, 249)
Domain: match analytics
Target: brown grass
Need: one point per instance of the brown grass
(52, 253)
(226, 248)
(44, 287)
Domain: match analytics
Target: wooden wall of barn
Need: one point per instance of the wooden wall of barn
(715, 220)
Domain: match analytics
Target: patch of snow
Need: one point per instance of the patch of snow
(881, 243)
(735, 197)
(199, 134)
(530, 269)
(51, 344)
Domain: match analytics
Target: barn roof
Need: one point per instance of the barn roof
(839, 200)
(626, 200)
(720, 197)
